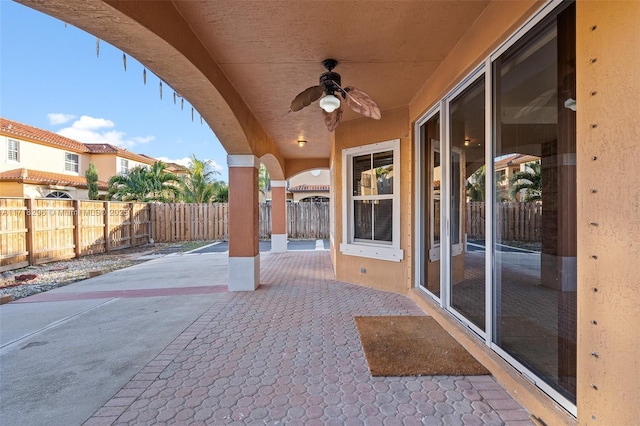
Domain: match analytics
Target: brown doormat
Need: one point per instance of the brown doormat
(413, 346)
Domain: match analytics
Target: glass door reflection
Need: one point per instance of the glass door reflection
(466, 229)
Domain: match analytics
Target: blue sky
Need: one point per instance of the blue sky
(51, 78)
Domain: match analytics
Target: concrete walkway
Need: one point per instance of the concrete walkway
(163, 342)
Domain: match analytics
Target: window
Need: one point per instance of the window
(124, 166)
(58, 194)
(13, 150)
(70, 162)
(371, 225)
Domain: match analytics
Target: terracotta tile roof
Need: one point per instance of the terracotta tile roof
(515, 159)
(22, 131)
(101, 148)
(105, 148)
(37, 177)
(309, 188)
(176, 168)
(19, 130)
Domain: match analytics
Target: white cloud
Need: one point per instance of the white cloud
(100, 130)
(91, 123)
(59, 118)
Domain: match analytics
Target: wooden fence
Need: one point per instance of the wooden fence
(189, 222)
(515, 221)
(304, 220)
(192, 222)
(36, 231)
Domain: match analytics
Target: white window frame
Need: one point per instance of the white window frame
(13, 151)
(124, 166)
(375, 250)
(69, 165)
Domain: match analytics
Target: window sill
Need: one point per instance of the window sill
(374, 252)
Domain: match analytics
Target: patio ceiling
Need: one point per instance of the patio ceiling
(269, 51)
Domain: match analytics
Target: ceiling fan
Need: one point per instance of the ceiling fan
(331, 106)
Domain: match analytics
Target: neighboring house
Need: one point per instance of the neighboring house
(38, 163)
(306, 186)
(309, 186)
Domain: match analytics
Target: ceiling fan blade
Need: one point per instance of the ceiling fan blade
(306, 97)
(362, 103)
(332, 119)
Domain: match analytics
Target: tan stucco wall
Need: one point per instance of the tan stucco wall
(498, 21)
(609, 218)
(307, 178)
(11, 189)
(384, 275)
(15, 189)
(41, 157)
(105, 165)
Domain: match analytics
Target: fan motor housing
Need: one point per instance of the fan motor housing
(329, 80)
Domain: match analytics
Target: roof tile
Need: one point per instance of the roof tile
(46, 178)
(13, 128)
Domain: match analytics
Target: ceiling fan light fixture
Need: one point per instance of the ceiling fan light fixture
(329, 103)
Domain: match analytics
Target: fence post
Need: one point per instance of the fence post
(28, 221)
(77, 236)
(132, 228)
(107, 240)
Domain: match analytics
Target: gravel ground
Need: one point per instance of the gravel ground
(58, 274)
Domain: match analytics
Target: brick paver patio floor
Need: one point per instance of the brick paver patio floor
(289, 353)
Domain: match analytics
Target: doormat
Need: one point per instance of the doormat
(413, 346)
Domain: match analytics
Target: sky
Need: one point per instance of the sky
(52, 78)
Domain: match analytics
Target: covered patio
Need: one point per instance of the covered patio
(459, 85)
(289, 353)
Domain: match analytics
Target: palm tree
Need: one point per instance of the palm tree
(475, 185)
(222, 192)
(263, 179)
(200, 185)
(142, 184)
(529, 181)
(163, 185)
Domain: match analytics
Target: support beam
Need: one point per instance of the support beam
(244, 253)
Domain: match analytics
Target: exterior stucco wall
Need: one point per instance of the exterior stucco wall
(608, 238)
(11, 189)
(384, 275)
(41, 157)
(608, 192)
(132, 164)
(105, 165)
(498, 21)
(307, 178)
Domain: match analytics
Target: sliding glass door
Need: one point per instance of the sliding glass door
(497, 206)
(465, 192)
(430, 204)
(535, 202)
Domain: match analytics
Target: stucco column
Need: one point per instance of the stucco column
(244, 252)
(279, 216)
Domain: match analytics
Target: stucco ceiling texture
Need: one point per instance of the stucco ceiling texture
(270, 50)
